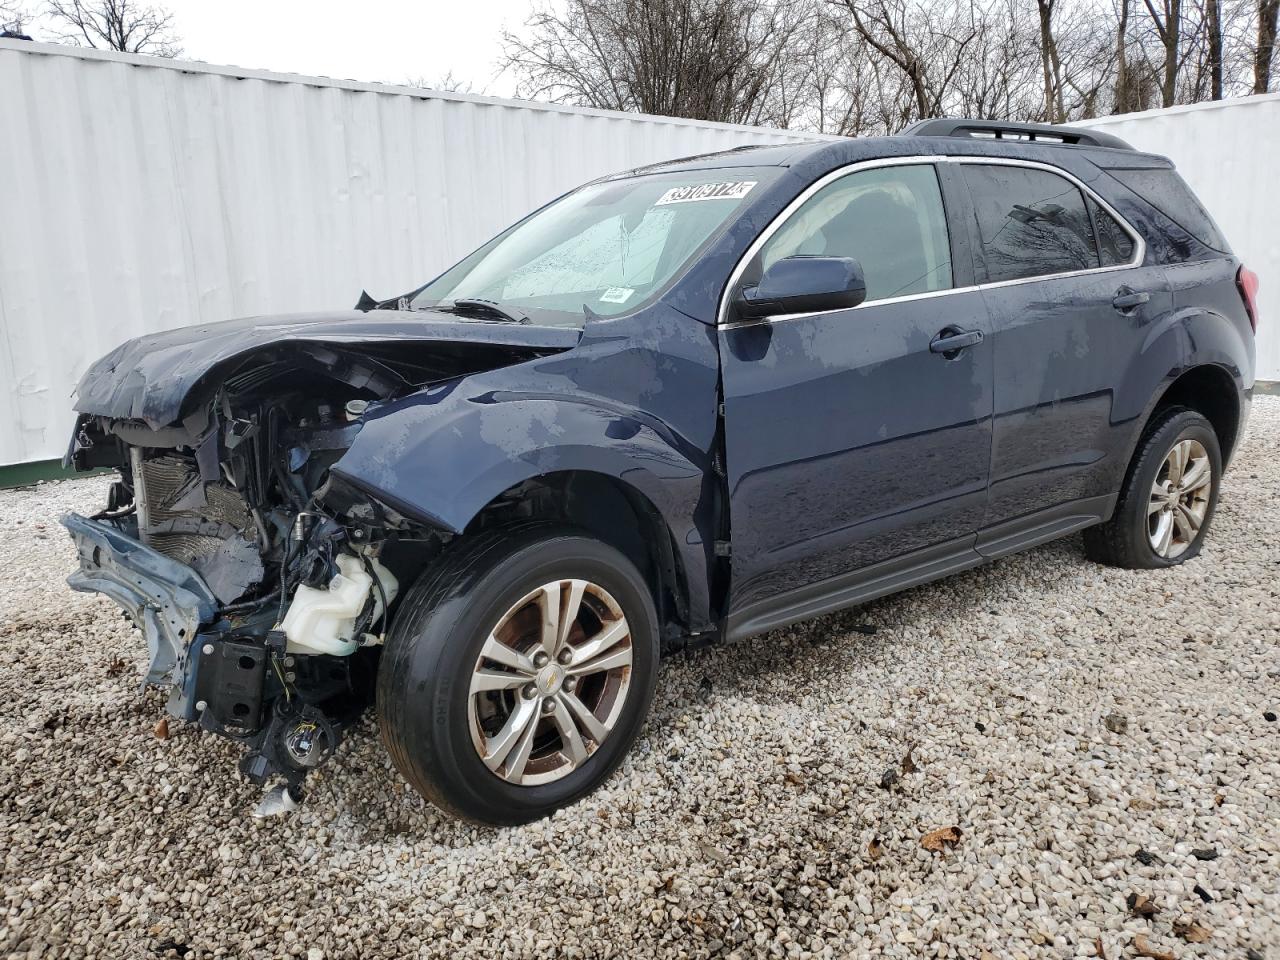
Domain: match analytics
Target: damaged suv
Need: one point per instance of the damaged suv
(689, 403)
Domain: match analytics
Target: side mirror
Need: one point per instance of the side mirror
(805, 285)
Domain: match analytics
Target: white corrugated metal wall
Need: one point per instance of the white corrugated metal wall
(138, 195)
(1226, 151)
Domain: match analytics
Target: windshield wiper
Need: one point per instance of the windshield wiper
(506, 311)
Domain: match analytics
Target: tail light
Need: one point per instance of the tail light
(1247, 281)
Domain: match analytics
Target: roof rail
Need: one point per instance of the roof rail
(1042, 133)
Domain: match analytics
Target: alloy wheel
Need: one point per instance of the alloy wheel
(550, 682)
(1179, 499)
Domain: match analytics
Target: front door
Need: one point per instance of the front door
(854, 448)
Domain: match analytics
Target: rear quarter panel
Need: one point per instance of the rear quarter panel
(1207, 325)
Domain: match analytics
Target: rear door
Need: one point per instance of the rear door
(853, 449)
(1070, 306)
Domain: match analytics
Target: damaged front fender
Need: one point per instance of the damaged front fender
(442, 462)
(634, 403)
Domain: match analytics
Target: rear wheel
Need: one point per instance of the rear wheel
(518, 673)
(1168, 499)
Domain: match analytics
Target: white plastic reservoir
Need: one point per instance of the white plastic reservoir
(324, 621)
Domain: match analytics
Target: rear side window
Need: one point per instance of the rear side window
(1031, 223)
(1169, 193)
(1115, 246)
(889, 219)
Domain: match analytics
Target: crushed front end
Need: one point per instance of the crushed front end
(262, 583)
(259, 587)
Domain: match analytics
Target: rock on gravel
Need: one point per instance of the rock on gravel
(748, 821)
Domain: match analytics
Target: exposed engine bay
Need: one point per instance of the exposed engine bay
(263, 584)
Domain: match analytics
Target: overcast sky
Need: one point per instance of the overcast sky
(376, 40)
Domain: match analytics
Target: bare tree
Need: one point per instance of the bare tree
(926, 42)
(1213, 41)
(1054, 109)
(1167, 21)
(847, 88)
(859, 67)
(125, 25)
(1084, 51)
(998, 78)
(1264, 51)
(13, 17)
(448, 83)
(1122, 91)
(728, 60)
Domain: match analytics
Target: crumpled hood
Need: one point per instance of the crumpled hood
(149, 378)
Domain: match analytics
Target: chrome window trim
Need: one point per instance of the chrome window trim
(1139, 244)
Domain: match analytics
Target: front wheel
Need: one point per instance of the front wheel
(1168, 499)
(518, 673)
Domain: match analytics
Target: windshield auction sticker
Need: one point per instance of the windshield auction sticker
(734, 190)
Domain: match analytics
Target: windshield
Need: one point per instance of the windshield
(608, 247)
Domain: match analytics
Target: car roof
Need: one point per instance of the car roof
(814, 157)
(750, 155)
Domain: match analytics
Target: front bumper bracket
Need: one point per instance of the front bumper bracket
(166, 599)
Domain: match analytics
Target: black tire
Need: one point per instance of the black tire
(1123, 540)
(425, 674)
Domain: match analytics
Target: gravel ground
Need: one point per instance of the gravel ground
(1102, 742)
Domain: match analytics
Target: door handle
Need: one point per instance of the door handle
(1127, 299)
(952, 340)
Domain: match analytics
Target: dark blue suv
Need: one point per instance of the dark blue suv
(686, 404)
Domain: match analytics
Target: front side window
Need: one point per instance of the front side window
(1031, 223)
(607, 247)
(889, 219)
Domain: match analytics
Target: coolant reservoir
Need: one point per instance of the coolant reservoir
(324, 621)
